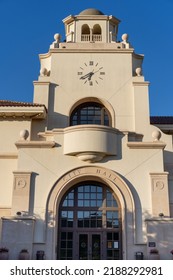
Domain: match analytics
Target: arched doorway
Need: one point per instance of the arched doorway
(89, 223)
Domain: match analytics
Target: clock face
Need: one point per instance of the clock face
(91, 73)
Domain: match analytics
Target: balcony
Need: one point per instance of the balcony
(90, 142)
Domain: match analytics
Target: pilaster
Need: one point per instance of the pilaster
(21, 192)
(159, 194)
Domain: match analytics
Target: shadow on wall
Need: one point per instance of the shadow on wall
(25, 233)
(55, 120)
(18, 234)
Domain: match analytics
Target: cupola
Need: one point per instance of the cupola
(91, 26)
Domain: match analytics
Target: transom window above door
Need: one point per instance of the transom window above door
(90, 113)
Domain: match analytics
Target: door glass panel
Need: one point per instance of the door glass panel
(96, 247)
(83, 246)
(89, 246)
(66, 246)
(113, 246)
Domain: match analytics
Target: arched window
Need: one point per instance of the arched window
(85, 29)
(85, 36)
(90, 113)
(97, 29)
(97, 32)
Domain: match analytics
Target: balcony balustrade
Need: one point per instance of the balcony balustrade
(91, 38)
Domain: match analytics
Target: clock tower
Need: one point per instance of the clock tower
(91, 65)
(91, 85)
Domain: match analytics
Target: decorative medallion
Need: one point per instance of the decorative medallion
(21, 183)
(159, 185)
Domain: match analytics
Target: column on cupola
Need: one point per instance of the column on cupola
(91, 34)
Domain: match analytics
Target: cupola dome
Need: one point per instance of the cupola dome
(91, 12)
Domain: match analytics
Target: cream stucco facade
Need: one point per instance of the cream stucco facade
(88, 129)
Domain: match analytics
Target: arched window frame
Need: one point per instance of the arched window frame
(97, 33)
(79, 118)
(85, 33)
(97, 29)
(85, 29)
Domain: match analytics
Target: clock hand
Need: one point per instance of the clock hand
(84, 77)
(89, 75)
(97, 70)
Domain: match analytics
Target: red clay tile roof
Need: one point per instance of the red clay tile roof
(8, 103)
(161, 120)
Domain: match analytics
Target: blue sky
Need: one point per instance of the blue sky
(27, 28)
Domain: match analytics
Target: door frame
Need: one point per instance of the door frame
(89, 235)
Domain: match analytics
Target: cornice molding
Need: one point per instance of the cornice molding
(35, 144)
(41, 83)
(93, 50)
(22, 172)
(91, 127)
(159, 173)
(86, 50)
(8, 155)
(140, 83)
(146, 145)
(158, 219)
(18, 218)
(23, 112)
